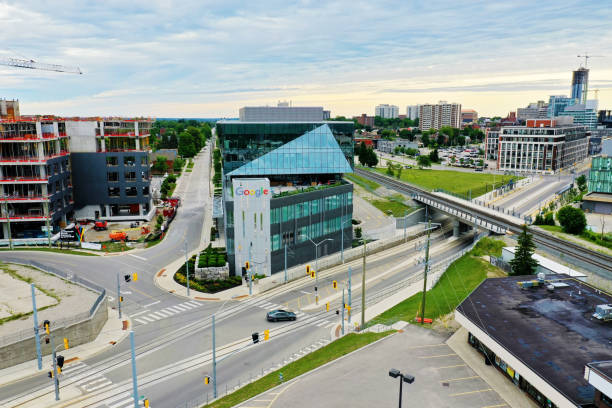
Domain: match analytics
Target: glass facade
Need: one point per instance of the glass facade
(243, 142)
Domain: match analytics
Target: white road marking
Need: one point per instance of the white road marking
(308, 293)
(174, 310)
(151, 315)
(139, 313)
(138, 257)
(160, 313)
(151, 304)
(147, 319)
(196, 304)
(140, 321)
(97, 387)
(169, 311)
(181, 308)
(87, 379)
(188, 305)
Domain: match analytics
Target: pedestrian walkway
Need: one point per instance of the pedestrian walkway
(123, 400)
(146, 316)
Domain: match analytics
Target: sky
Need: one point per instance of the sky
(200, 58)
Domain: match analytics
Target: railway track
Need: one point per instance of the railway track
(576, 251)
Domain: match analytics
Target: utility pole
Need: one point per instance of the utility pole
(363, 285)
(55, 379)
(349, 292)
(119, 295)
(36, 336)
(134, 380)
(187, 267)
(343, 311)
(405, 215)
(214, 356)
(285, 262)
(425, 272)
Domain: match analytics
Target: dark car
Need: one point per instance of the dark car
(276, 315)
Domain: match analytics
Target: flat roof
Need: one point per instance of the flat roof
(599, 197)
(551, 265)
(603, 367)
(283, 121)
(552, 333)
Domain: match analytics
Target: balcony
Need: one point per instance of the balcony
(24, 198)
(25, 180)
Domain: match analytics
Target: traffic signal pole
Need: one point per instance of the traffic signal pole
(55, 379)
(187, 267)
(119, 295)
(134, 380)
(36, 336)
(350, 270)
(425, 272)
(214, 356)
(363, 286)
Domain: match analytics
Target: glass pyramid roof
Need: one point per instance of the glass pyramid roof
(315, 152)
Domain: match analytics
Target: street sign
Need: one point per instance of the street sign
(68, 235)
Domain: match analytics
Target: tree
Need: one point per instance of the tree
(160, 164)
(582, 183)
(362, 154)
(186, 146)
(406, 134)
(424, 161)
(398, 172)
(433, 156)
(523, 263)
(572, 220)
(371, 158)
(425, 139)
(390, 168)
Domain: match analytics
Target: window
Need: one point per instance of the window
(315, 206)
(302, 234)
(255, 221)
(145, 191)
(114, 192)
(129, 160)
(275, 242)
(112, 176)
(230, 219)
(230, 245)
(144, 160)
(261, 221)
(112, 161)
(130, 176)
(274, 215)
(131, 191)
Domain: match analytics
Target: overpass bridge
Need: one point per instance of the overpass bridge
(495, 221)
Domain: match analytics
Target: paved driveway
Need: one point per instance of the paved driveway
(442, 379)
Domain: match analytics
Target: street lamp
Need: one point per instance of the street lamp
(317, 264)
(403, 378)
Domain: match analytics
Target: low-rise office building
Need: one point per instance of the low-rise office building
(540, 334)
(283, 192)
(599, 376)
(283, 113)
(542, 145)
(599, 198)
(389, 146)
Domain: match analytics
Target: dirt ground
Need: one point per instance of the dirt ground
(92, 235)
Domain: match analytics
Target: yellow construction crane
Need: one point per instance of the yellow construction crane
(31, 64)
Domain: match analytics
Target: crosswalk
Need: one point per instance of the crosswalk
(273, 306)
(123, 400)
(165, 312)
(88, 384)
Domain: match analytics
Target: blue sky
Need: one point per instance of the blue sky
(207, 59)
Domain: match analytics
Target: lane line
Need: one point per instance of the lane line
(151, 304)
(453, 366)
(470, 392)
(140, 321)
(139, 313)
(138, 257)
(440, 355)
(461, 379)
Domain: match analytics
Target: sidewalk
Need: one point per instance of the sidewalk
(112, 333)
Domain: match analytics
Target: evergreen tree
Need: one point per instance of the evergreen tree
(523, 263)
(362, 153)
(371, 158)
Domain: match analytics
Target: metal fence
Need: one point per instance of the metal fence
(57, 323)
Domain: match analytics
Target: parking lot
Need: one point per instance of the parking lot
(442, 378)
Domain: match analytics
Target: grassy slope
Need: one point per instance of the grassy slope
(332, 351)
(460, 279)
(363, 182)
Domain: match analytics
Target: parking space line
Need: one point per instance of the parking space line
(440, 355)
(470, 392)
(461, 379)
(427, 345)
(496, 406)
(453, 366)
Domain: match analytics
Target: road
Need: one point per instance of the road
(173, 336)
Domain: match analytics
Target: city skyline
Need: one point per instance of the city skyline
(158, 60)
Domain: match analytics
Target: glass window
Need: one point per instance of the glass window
(350, 198)
(285, 212)
(254, 220)
(275, 242)
(314, 206)
(302, 234)
(261, 221)
(230, 218)
(230, 246)
(306, 208)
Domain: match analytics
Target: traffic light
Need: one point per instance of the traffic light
(59, 369)
(255, 337)
(66, 346)
(246, 265)
(127, 278)
(207, 380)
(134, 276)
(50, 374)
(121, 298)
(312, 274)
(307, 269)
(335, 284)
(146, 403)
(46, 325)
(266, 335)
(60, 361)
(47, 340)
(327, 307)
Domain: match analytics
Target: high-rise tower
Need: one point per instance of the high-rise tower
(580, 84)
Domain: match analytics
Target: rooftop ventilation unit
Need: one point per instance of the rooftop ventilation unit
(603, 312)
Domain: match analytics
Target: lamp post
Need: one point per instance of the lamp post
(317, 265)
(393, 373)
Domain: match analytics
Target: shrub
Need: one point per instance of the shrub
(572, 220)
(358, 232)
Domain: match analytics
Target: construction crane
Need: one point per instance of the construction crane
(31, 64)
(586, 58)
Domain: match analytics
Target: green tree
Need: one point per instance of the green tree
(523, 262)
(362, 153)
(582, 183)
(160, 164)
(390, 169)
(425, 139)
(406, 134)
(398, 172)
(371, 158)
(572, 220)
(424, 161)
(433, 156)
(186, 146)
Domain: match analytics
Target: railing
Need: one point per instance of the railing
(24, 197)
(56, 323)
(24, 179)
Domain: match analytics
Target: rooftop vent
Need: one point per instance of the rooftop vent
(603, 312)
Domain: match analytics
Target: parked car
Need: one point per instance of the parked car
(276, 315)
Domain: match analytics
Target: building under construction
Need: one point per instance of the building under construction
(43, 157)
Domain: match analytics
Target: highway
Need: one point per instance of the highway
(173, 336)
(598, 262)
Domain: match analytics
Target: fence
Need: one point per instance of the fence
(57, 323)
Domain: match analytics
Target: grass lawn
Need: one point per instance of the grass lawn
(589, 236)
(332, 351)
(392, 205)
(458, 182)
(363, 182)
(59, 251)
(456, 284)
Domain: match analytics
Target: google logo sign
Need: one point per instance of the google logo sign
(256, 193)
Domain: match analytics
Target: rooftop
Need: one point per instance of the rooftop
(603, 367)
(599, 197)
(552, 333)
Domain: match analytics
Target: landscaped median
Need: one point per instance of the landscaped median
(332, 351)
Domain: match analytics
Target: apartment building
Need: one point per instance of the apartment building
(386, 111)
(468, 116)
(35, 182)
(110, 168)
(412, 111)
(365, 120)
(438, 115)
(491, 143)
(542, 145)
(9, 109)
(535, 110)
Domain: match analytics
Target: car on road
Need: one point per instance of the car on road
(276, 315)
